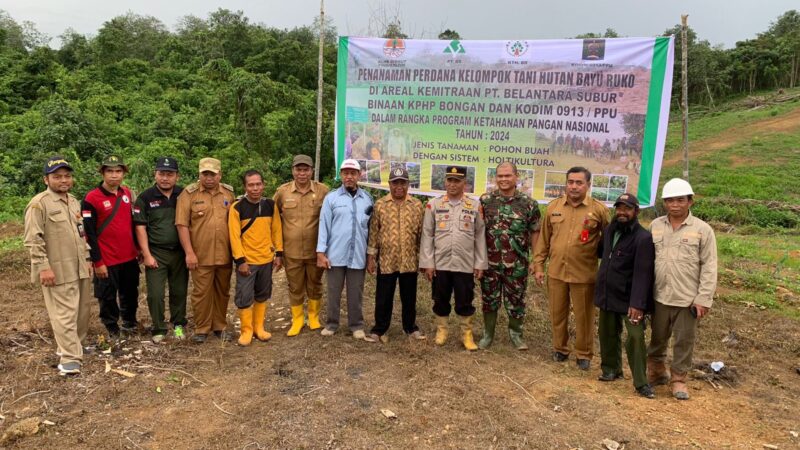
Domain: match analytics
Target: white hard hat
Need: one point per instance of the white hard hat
(676, 188)
(350, 164)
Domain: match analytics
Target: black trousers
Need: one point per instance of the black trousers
(123, 279)
(458, 284)
(384, 301)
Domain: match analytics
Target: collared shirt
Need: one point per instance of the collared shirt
(394, 234)
(453, 236)
(569, 239)
(300, 213)
(54, 238)
(157, 212)
(510, 223)
(205, 213)
(343, 228)
(117, 242)
(686, 262)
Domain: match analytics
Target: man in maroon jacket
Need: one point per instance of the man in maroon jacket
(108, 219)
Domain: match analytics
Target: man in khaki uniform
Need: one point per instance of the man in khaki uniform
(686, 278)
(202, 220)
(453, 254)
(299, 203)
(60, 261)
(571, 231)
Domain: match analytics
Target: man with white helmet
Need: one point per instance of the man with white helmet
(686, 277)
(342, 247)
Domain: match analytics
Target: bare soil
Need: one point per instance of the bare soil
(784, 123)
(316, 392)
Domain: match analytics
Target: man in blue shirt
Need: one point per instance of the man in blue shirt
(342, 247)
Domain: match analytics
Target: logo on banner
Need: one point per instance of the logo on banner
(455, 47)
(394, 48)
(517, 48)
(594, 49)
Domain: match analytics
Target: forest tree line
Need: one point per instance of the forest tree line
(239, 90)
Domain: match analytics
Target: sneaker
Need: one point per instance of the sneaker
(70, 368)
(646, 391)
(372, 338)
(583, 364)
(179, 332)
(560, 357)
(359, 335)
(417, 336)
(158, 338)
(328, 332)
(199, 338)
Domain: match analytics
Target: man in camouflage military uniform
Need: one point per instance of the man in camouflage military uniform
(512, 227)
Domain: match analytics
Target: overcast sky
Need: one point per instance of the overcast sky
(719, 21)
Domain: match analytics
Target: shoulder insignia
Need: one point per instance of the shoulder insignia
(192, 188)
(227, 186)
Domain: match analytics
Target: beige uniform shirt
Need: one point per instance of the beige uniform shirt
(394, 234)
(569, 239)
(52, 236)
(686, 262)
(300, 218)
(205, 213)
(453, 236)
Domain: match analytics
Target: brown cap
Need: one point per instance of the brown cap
(210, 165)
(302, 159)
(627, 199)
(459, 172)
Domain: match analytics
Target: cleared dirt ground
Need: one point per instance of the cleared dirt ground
(315, 392)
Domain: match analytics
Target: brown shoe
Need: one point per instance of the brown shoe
(678, 383)
(656, 373)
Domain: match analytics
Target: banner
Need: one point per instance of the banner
(544, 105)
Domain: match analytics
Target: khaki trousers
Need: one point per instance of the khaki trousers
(211, 286)
(581, 295)
(68, 306)
(304, 278)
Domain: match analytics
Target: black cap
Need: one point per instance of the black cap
(167, 164)
(54, 163)
(459, 172)
(627, 199)
(398, 173)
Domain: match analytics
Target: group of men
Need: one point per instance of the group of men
(453, 240)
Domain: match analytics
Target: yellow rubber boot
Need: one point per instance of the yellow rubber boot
(441, 330)
(297, 321)
(466, 333)
(246, 318)
(314, 307)
(259, 314)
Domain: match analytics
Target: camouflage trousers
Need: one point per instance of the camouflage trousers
(506, 285)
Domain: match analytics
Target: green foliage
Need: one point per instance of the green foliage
(218, 86)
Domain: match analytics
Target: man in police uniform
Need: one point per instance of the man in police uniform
(202, 220)
(453, 253)
(163, 257)
(512, 228)
(299, 203)
(60, 261)
(571, 231)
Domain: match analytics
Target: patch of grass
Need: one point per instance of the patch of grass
(11, 243)
(754, 267)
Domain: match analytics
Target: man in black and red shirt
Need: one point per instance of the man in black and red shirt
(108, 219)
